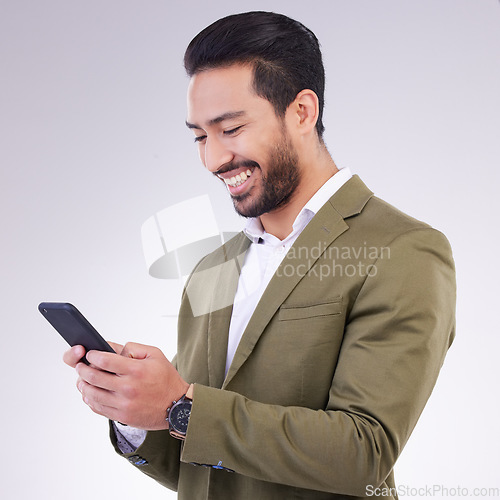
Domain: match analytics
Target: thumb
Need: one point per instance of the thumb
(116, 347)
(138, 351)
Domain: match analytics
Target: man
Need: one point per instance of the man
(308, 344)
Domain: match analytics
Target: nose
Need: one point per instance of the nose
(215, 154)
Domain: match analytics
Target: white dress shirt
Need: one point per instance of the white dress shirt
(265, 255)
(261, 262)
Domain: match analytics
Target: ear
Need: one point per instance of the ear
(303, 112)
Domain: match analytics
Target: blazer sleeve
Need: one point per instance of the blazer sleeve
(398, 330)
(158, 456)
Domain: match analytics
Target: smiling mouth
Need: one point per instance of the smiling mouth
(239, 179)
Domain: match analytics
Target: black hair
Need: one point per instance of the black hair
(285, 56)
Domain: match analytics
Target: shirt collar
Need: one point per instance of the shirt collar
(254, 230)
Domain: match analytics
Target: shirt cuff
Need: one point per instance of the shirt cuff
(128, 438)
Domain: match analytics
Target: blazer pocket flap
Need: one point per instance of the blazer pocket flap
(310, 310)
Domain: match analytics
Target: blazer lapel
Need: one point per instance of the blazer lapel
(220, 316)
(323, 229)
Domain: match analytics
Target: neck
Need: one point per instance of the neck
(279, 222)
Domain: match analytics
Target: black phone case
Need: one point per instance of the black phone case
(73, 326)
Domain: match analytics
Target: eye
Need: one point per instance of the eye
(200, 138)
(232, 131)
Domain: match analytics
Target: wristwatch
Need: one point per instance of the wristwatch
(178, 417)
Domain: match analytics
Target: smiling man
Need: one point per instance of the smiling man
(272, 165)
(308, 344)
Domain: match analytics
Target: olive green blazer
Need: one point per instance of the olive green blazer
(333, 370)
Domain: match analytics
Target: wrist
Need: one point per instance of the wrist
(178, 414)
(178, 394)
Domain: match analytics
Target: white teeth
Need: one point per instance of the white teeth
(239, 179)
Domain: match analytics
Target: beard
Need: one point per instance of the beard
(277, 186)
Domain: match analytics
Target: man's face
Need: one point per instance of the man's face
(241, 140)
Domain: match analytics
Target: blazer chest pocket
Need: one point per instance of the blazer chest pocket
(290, 312)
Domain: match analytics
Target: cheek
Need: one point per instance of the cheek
(255, 148)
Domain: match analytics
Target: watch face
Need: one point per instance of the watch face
(179, 416)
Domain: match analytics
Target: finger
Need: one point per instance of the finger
(96, 378)
(107, 412)
(99, 401)
(116, 347)
(79, 384)
(73, 356)
(110, 362)
(123, 364)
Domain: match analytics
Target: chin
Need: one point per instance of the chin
(246, 212)
(245, 206)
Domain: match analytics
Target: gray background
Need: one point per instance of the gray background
(93, 142)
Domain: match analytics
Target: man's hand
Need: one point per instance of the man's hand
(134, 386)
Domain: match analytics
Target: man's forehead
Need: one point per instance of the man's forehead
(237, 72)
(219, 94)
(235, 80)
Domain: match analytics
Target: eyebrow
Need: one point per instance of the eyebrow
(230, 115)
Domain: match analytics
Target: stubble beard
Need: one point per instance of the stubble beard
(282, 179)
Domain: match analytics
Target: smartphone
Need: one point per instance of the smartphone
(73, 326)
